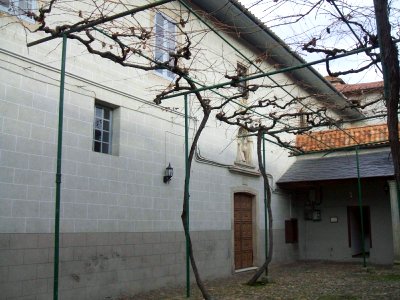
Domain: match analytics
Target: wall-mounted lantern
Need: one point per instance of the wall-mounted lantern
(169, 172)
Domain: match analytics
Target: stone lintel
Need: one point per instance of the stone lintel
(244, 169)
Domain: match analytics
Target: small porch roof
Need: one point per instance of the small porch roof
(376, 164)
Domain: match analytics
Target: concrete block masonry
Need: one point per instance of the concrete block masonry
(98, 265)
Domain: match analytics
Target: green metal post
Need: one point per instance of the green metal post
(361, 209)
(265, 207)
(187, 178)
(58, 174)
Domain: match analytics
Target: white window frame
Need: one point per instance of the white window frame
(102, 130)
(14, 9)
(167, 42)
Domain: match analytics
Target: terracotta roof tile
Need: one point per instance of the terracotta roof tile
(328, 139)
(359, 87)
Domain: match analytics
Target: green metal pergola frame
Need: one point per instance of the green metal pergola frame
(61, 117)
(213, 88)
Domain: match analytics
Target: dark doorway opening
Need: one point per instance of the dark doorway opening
(354, 230)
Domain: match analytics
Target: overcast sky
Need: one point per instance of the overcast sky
(296, 34)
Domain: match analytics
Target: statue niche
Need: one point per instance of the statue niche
(244, 153)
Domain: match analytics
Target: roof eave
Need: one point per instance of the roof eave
(232, 13)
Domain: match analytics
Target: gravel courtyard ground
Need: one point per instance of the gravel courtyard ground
(304, 280)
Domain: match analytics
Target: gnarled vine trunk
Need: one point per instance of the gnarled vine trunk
(185, 214)
(264, 267)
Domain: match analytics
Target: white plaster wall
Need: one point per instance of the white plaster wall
(107, 193)
(111, 193)
(329, 241)
(372, 110)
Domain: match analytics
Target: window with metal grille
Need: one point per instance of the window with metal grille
(102, 129)
(19, 8)
(165, 43)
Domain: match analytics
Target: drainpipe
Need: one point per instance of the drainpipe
(361, 209)
(58, 172)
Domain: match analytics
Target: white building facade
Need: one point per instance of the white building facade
(121, 231)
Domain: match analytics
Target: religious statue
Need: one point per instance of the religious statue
(244, 148)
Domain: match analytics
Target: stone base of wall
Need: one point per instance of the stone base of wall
(109, 265)
(101, 265)
(283, 252)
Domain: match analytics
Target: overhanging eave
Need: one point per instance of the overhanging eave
(232, 13)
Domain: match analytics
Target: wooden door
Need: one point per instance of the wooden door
(243, 231)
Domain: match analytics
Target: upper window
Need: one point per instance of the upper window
(102, 130)
(242, 72)
(302, 118)
(18, 7)
(164, 43)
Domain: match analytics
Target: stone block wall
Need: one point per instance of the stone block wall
(100, 265)
(120, 224)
